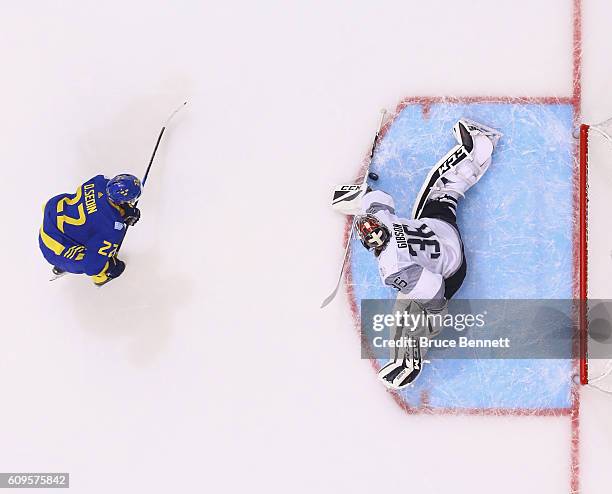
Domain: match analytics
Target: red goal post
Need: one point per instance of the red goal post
(595, 254)
(583, 249)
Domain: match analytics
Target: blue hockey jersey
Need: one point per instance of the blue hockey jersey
(81, 231)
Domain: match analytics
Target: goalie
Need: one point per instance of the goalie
(422, 257)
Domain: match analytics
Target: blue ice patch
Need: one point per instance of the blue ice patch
(517, 227)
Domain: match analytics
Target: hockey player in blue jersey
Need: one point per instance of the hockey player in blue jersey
(82, 232)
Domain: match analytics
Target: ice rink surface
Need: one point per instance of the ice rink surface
(209, 367)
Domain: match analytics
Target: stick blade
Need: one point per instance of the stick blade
(331, 296)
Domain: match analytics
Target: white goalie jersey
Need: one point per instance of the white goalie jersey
(420, 253)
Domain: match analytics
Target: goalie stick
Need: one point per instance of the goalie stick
(366, 175)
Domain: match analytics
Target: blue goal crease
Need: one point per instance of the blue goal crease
(517, 227)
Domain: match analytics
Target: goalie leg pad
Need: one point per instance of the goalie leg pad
(462, 167)
(463, 136)
(476, 128)
(390, 371)
(399, 373)
(405, 362)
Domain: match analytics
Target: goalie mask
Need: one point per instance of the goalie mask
(373, 234)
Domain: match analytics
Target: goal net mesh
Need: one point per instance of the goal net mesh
(596, 255)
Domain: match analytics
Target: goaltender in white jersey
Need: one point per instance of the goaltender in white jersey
(422, 257)
(419, 255)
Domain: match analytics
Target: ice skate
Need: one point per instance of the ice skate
(57, 273)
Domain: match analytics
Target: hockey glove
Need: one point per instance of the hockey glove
(131, 214)
(115, 268)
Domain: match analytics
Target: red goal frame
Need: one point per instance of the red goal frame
(583, 205)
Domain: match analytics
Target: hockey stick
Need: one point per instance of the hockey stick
(159, 137)
(366, 175)
(146, 175)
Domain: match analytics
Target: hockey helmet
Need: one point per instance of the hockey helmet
(373, 234)
(123, 188)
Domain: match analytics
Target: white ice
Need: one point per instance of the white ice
(209, 367)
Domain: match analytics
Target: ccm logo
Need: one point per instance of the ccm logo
(451, 160)
(350, 187)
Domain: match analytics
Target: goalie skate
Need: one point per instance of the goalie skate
(475, 128)
(462, 167)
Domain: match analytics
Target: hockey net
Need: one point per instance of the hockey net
(595, 308)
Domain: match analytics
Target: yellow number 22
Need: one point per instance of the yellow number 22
(104, 250)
